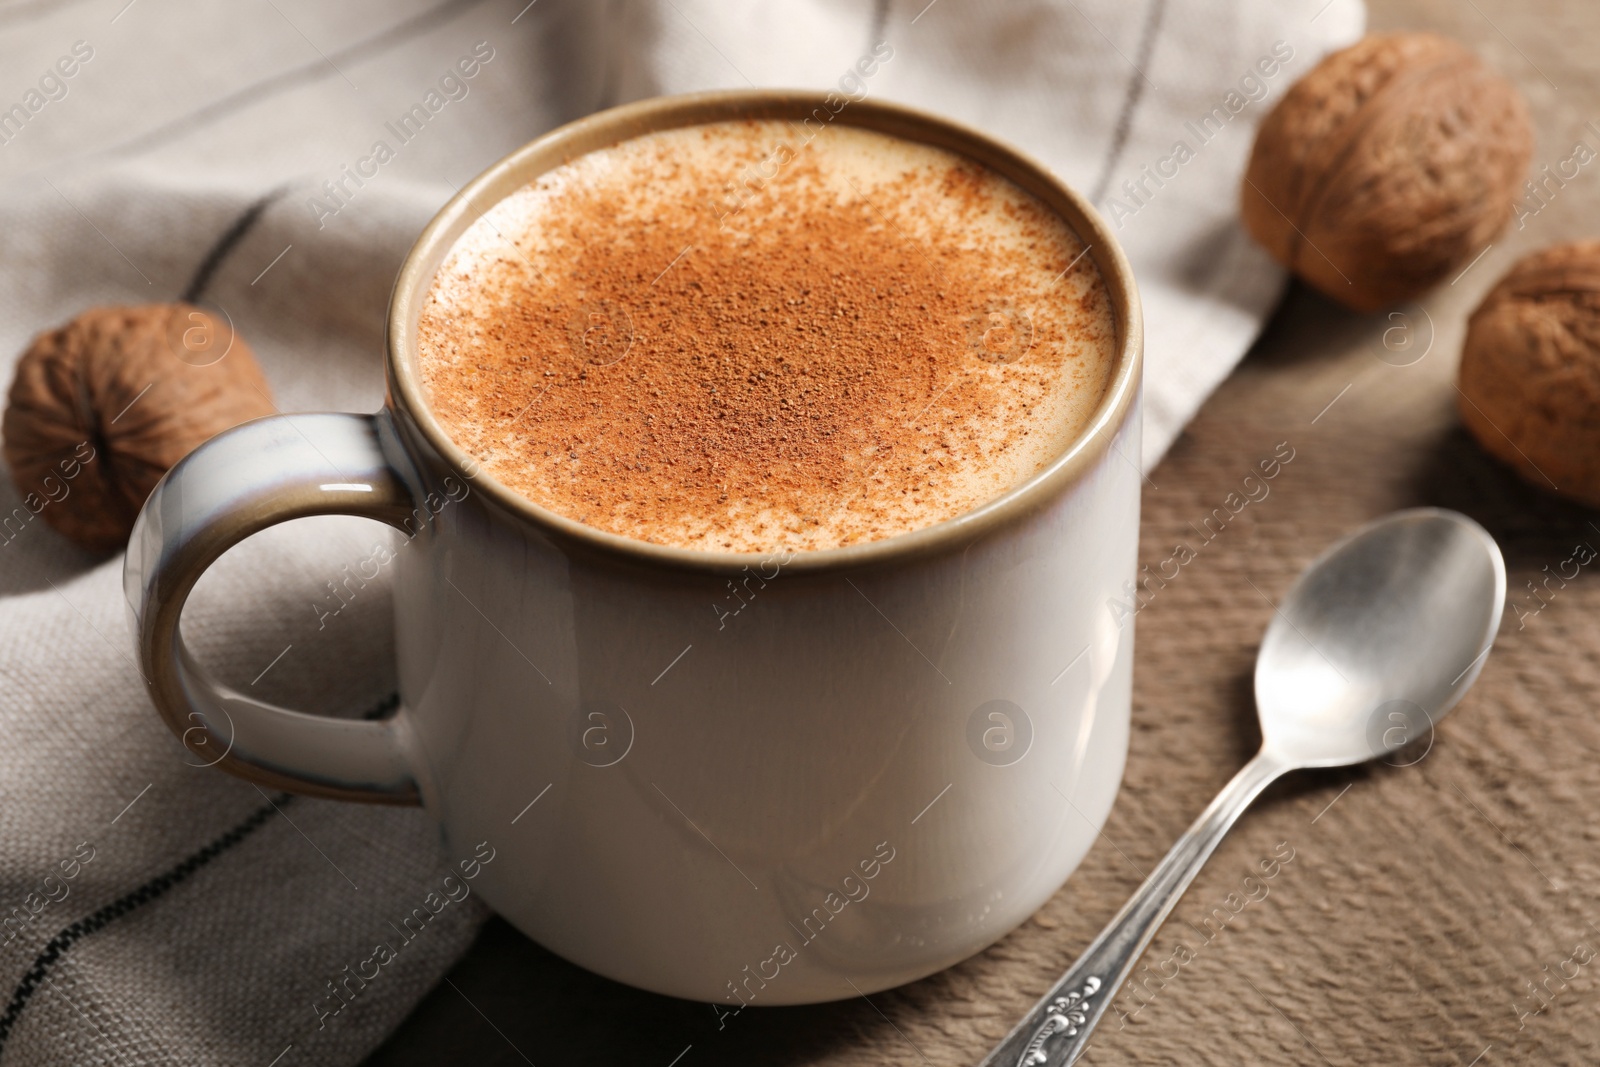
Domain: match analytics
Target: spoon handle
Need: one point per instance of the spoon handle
(1056, 1032)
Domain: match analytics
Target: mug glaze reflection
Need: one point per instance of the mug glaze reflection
(730, 777)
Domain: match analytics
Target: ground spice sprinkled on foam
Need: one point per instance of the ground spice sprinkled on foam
(698, 338)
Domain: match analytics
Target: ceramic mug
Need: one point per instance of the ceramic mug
(730, 777)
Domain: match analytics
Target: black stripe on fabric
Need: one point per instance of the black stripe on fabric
(383, 708)
(129, 902)
(1130, 102)
(313, 71)
(880, 20)
(225, 244)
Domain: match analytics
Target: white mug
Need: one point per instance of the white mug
(735, 778)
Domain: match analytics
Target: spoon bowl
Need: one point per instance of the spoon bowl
(1379, 638)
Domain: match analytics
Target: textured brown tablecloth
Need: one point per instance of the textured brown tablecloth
(1442, 913)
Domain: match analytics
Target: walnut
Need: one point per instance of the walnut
(1391, 164)
(101, 408)
(1530, 370)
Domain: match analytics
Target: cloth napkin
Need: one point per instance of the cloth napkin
(156, 911)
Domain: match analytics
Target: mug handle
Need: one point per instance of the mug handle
(240, 482)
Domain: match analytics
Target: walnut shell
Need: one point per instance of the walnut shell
(101, 408)
(1530, 370)
(1391, 164)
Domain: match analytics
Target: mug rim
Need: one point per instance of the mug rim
(614, 125)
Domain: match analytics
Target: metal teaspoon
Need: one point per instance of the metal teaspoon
(1376, 640)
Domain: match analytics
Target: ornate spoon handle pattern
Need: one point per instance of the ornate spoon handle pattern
(1057, 1030)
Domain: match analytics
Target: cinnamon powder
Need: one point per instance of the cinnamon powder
(701, 339)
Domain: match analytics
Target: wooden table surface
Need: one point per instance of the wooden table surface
(1426, 908)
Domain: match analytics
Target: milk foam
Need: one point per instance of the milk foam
(958, 405)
